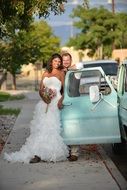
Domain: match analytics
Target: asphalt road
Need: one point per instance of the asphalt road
(120, 160)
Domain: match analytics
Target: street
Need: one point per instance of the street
(119, 160)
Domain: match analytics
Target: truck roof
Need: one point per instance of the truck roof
(102, 61)
(110, 67)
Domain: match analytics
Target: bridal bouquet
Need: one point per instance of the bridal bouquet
(48, 94)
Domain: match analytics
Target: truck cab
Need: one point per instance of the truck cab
(90, 112)
(122, 107)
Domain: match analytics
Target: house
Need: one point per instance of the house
(120, 54)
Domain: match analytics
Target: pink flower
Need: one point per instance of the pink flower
(49, 93)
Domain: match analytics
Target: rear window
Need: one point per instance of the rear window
(109, 68)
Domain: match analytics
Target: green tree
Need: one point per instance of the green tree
(121, 41)
(21, 12)
(16, 15)
(37, 44)
(99, 29)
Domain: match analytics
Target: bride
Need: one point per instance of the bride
(45, 142)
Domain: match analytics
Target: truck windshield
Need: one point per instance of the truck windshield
(109, 68)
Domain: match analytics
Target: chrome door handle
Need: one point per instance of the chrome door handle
(67, 104)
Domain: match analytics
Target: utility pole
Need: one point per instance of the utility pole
(112, 2)
(71, 30)
(113, 6)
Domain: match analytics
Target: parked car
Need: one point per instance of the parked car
(110, 68)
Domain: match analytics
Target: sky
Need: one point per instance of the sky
(62, 25)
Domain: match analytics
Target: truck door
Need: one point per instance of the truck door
(122, 99)
(86, 122)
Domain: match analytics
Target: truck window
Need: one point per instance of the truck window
(80, 82)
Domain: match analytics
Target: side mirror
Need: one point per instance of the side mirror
(94, 93)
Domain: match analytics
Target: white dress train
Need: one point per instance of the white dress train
(44, 140)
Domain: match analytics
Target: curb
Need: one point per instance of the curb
(112, 169)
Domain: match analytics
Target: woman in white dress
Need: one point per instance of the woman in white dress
(45, 142)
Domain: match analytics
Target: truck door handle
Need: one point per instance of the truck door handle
(67, 104)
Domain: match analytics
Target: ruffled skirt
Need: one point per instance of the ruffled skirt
(44, 140)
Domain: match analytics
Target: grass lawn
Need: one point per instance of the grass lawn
(9, 111)
(4, 96)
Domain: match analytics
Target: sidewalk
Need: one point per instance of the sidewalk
(93, 171)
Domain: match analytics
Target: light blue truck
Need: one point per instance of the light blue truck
(94, 112)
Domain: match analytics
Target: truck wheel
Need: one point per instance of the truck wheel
(119, 148)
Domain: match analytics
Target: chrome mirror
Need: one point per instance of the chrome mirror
(94, 93)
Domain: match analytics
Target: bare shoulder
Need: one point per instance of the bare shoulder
(61, 73)
(45, 74)
(61, 76)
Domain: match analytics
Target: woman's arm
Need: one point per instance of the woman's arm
(41, 84)
(41, 90)
(62, 78)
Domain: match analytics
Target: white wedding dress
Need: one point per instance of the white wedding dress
(45, 128)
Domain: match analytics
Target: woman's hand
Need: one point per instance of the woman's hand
(59, 104)
(45, 99)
